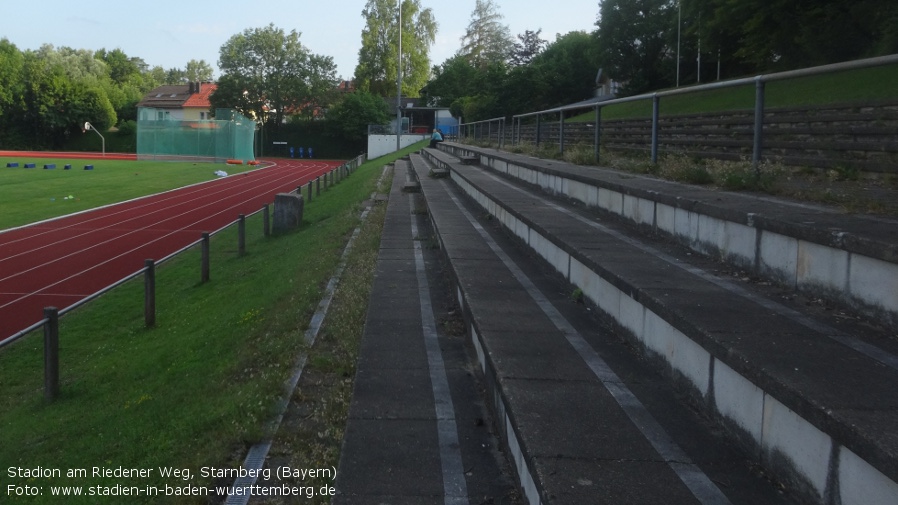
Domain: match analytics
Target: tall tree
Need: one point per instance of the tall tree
(350, 116)
(198, 71)
(120, 67)
(454, 79)
(377, 68)
(268, 73)
(568, 69)
(61, 98)
(788, 34)
(635, 39)
(528, 46)
(486, 41)
(12, 63)
(174, 76)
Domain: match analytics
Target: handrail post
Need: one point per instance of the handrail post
(537, 130)
(51, 353)
(149, 293)
(561, 132)
(598, 132)
(759, 125)
(655, 113)
(515, 131)
(501, 133)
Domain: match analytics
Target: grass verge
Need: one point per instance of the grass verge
(195, 391)
(31, 195)
(311, 435)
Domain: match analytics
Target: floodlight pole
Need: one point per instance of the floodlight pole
(399, 84)
(88, 126)
(679, 15)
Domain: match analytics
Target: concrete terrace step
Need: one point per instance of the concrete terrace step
(853, 259)
(813, 404)
(415, 414)
(576, 431)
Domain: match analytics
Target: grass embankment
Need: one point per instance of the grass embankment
(35, 194)
(852, 86)
(196, 390)
(843, 187)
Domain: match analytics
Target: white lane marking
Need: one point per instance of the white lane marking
(455, 489)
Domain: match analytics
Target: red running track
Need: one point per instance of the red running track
(59, 262)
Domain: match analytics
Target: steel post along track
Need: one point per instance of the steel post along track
(350, 165)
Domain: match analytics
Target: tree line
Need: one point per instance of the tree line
(46, 95)
(652, 44)
(268, 74)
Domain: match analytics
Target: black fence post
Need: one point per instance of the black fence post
(149, 293)
(241, 235)
(757, 140)
(318, 186)
(598, 133)
(310, 192)
(266, 220)
(204, 275)
(655, 115)
(538, 130)
(51, 353)
(561, 132)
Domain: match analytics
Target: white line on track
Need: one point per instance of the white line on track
(129, 210)
(268, 181)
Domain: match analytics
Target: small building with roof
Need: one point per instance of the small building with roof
(179, 102)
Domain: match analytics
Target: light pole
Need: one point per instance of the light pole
(679, 13)
(399, 84)
(88, 126)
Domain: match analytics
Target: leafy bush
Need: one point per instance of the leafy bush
(126, 128)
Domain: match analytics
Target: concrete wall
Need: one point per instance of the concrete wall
(865, 277)
(817, 463)
(379, 145)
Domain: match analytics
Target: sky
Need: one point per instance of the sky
(170, 33)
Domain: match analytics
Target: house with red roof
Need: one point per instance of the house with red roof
(180, 102)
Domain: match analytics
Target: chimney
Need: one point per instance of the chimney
(198, 86)
(191, 88)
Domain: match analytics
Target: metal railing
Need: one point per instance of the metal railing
(50, 322)
(759, 83)
(477, 129)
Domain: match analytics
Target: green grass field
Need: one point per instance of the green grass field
(30, 195)
(841, 87)
(196, 390)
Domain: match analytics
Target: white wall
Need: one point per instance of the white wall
(379, 145)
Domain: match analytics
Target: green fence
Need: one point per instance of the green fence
(228, 136)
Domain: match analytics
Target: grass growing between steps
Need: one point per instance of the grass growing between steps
(196, 390)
